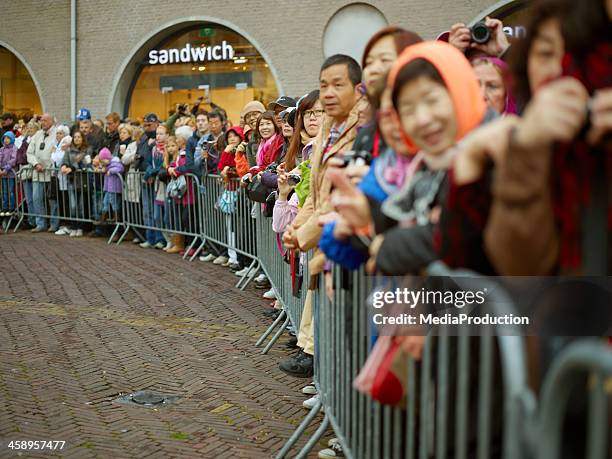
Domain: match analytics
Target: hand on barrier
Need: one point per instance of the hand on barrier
(39, 168)
(290, 239)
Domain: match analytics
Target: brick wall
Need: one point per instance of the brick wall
(288, 32)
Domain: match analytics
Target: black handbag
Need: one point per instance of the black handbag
(269, 207)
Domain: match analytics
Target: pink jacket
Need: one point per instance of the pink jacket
(283, 214)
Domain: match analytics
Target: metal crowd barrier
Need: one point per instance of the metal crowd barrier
(148, 208)
(11, 198)
(233, 229)
(56, 199)
(272, 258)
(466, 397)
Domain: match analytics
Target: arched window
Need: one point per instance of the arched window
(18, 92)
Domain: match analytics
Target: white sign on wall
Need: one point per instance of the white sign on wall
(222, 52)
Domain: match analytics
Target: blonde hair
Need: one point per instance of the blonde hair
(167, 159)
(137, 133)
(127, 128)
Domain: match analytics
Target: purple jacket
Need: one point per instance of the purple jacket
(8, 157)
(112, 183)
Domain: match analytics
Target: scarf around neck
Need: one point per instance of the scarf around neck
(268, 150)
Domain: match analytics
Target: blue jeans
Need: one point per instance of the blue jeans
(54, 208)
(39, 203)
(97, 202)
(76, 207)
(148, 209)
(8, 193)
(29, 197)
(111, 202)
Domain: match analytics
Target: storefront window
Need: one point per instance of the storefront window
(18, 93)
(209, 60)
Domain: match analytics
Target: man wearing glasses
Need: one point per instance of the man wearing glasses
(39, 153)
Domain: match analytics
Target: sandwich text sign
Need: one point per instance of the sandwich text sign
(222, 52)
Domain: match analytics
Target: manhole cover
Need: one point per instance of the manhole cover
(147, 399)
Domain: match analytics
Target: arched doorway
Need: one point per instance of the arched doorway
(187, 60)
(18, 91)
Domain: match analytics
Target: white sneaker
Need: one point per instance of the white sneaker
(270, 295)
(159, 245)
(135, 241)
(145, 245)
(209, 257)
(63, 231)
(220, 260)
(311, 402)
(310, 389)
(242, 272)
(73, 233)
(79, 233)
(168, 246)
(260, 278)
(334, 450)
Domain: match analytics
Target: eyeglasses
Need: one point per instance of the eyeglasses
(315, 113)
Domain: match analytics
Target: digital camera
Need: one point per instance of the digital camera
(480, 33)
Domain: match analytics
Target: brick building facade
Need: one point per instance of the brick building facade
(111, 34)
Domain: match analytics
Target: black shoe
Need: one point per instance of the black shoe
(292, 343)
(263, 285)
(299, 366)
(271, 312)
(234, 267)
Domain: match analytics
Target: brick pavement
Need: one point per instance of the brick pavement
(82, 322)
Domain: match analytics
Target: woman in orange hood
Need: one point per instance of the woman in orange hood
(437, 100)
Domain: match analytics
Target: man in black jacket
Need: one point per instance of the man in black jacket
(111, 135)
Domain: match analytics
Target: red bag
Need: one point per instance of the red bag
(389, 387)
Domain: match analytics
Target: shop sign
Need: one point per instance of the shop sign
(222, 52)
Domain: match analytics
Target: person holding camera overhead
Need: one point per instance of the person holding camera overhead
(486, 38)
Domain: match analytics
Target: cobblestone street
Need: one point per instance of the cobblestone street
(82, 323)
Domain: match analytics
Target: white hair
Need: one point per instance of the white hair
(64, 129)
(184, 132)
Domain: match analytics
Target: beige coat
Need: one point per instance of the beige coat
(36, 155)
(318, 202)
